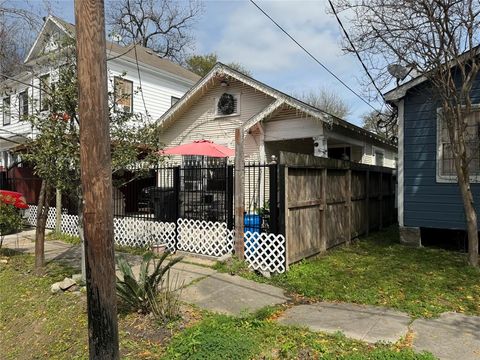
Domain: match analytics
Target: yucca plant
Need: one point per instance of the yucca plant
(142, 294)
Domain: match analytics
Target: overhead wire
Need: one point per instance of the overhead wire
(347, 36)
(312, 56)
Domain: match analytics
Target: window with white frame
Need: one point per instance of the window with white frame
(44, 91)
(6, 113)
(445, 159)
(123, 94)
(23, 104)
(379, 158)
(227, 105)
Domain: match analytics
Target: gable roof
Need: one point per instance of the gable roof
(144, 55)
(400, 91)
(281, 99)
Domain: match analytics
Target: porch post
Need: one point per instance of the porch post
(239, 193)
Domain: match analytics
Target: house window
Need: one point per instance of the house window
(23, 104)
(227, 105)
(173, 100)
(379, 158)
(44, 90)
(6, 111)
(445, 159)
(123, 94)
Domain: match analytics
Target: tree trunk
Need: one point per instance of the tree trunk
(471, 218)
(81, 232)
(42, 216)
(58, 211)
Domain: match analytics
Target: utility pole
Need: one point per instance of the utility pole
(96, 175)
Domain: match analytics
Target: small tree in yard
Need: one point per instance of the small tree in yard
(439, 41)
(55, 151)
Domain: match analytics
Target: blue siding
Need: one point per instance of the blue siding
(426, 202)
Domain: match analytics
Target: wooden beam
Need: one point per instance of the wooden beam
(239, 193)
(323, 215)
(367, 202)
(349, 206)
(96, 176)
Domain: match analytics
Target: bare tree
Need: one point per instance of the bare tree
(381, 124)
(17, 26)
(161, 25)
(439, 41)
(327, 101)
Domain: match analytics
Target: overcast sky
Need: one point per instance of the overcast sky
(239, 32)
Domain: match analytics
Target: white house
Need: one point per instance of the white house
(148, 83)
(272, 120)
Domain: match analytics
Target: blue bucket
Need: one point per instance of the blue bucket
(252, 223)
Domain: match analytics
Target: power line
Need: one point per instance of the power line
(354, 48)
(139, 76)
(313, 57)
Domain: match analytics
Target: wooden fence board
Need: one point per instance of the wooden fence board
(328, 202)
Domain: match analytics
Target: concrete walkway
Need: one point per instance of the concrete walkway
(202, 286)
(367, 323)
(452, 336)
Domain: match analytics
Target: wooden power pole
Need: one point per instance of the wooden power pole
(96, 175)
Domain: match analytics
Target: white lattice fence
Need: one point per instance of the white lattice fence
(127, 231)
(139, 232)
(204, 237)
(70, 224)
(265, 252)
(32, 216)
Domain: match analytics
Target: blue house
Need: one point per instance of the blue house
(428, 193)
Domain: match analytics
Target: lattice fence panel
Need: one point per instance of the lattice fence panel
(32, 216)
(265, 252)
(204, 237)
(139, 232)
(127, 231)
(70, 224)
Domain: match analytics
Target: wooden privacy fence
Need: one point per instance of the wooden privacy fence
(327, 202)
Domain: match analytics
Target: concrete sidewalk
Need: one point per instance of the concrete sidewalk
(202, 286)
(452, 336)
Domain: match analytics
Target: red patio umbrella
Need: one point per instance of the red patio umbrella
(200, 148)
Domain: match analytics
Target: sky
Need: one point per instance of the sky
(238, 32)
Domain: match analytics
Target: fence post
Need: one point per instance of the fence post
(349, 206)
(273, 198)
(239, 194)
(323, 212)
(176, 191)
(380, 200)
(367, 201)
(230, 191)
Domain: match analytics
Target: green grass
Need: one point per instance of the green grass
(69, 239)
(36, 324)
(377, 270)
(251, 337)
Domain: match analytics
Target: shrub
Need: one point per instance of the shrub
(151, 292)
(10, 220)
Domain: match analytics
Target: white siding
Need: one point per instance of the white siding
(199, 122)
(157, 89)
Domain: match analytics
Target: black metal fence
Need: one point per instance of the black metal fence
(200, 191)
(195, 190)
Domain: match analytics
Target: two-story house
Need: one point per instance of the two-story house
(148, 83)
